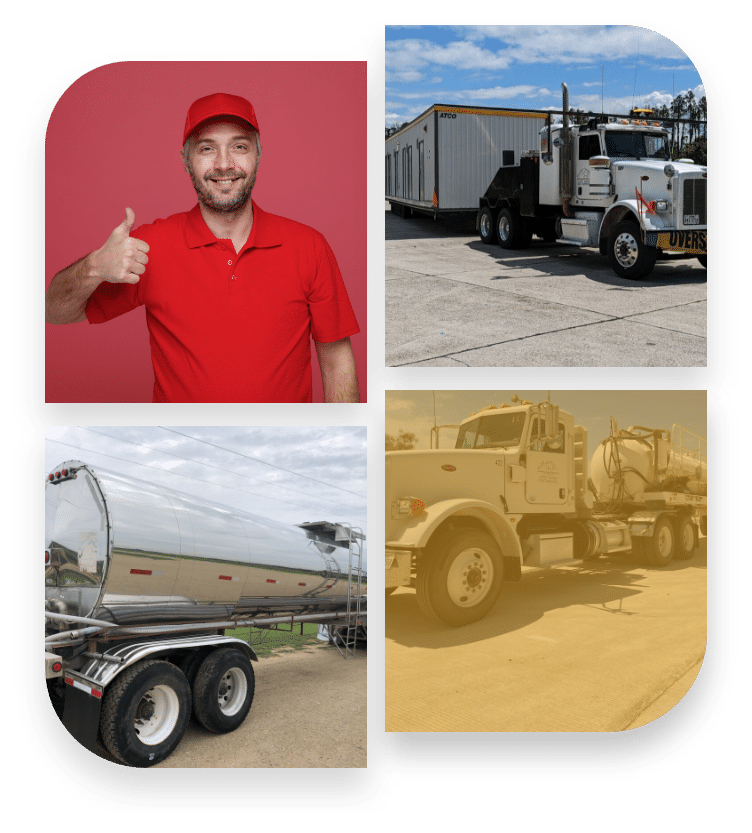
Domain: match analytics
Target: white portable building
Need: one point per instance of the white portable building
(444, 160)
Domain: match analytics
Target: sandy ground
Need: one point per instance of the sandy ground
(309, 710)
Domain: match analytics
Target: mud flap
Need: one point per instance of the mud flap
(81, 716)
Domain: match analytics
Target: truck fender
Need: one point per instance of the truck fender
(419, 531)
(626, 210)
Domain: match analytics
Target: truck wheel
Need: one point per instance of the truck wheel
(460, 577)
(661, 547)
(703, 260)
(511, 230)
(704, 524)
(145, 713)
(628, 255)
(223, 691)
(486, 224)
(686, 538)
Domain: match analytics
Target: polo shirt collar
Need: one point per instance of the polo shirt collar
(264, 232)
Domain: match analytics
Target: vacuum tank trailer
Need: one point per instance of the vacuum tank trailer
(516, 493)
(141, 583)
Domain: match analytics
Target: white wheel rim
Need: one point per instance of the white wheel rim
(688, 538)
(233, 688)
(157, 715)
(665, 541)
(470, 577)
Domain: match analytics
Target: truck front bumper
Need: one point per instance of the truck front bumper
(398, 564)
(689, 241)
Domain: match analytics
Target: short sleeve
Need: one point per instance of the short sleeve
(332, 316)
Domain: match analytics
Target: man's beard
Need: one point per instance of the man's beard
(231, 202)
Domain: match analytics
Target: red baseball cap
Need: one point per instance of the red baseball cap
(218, 104)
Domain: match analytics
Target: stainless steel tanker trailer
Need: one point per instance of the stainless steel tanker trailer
(141, 585)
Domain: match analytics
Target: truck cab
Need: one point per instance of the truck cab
(617, 172)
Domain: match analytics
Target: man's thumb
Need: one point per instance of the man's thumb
(130, 219)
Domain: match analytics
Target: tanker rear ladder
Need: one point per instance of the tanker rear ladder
(346, 638)
(345, 635)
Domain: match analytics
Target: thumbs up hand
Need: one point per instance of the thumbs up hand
(122, 259)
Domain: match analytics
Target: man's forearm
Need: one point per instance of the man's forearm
(338, 374)
(341, 387)
(67, 295)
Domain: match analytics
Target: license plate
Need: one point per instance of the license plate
(692, 242)
(691, 219)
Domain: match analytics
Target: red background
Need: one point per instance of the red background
(114, 139)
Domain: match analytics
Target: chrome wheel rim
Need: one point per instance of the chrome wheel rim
(470, 577)
(485, 225)
(626, 249)
(665, 542)
(504, 228)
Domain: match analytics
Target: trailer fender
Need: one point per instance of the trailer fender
(419, 531)
(103, 669)
(642, 523)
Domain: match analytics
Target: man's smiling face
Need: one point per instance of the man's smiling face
(221, 159)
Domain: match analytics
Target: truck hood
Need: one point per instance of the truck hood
(438, 474)
(654, 167)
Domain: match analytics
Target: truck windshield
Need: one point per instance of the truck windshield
(495, 431)
(636, 145)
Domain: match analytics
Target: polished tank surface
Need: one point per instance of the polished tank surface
(131, 552)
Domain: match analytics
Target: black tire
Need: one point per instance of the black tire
(686, 538)
(704, 524)
(460, 577)
(190, 664)
(223, 691)
(486, 226)
(662, 546)
(145, 713)
(511, 230)
(628, 255)
(547, 230)
(703, 260)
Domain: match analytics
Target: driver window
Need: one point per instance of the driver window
(542, 445)
(590, 146)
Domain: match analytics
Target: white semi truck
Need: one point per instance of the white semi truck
(608, 184)
(517, 493)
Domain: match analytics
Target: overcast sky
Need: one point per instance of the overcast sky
(317, 473)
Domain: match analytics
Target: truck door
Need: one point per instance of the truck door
(592, 183)
(547, 475)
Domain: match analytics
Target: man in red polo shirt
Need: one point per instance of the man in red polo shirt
(232, 294)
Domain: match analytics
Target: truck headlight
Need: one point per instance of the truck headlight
(410, 506)
(662, 205)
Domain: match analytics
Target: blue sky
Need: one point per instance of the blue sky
(523, 66)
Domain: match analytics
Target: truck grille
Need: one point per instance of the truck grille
(695, 202)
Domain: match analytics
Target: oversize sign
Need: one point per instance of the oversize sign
(693, 242)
